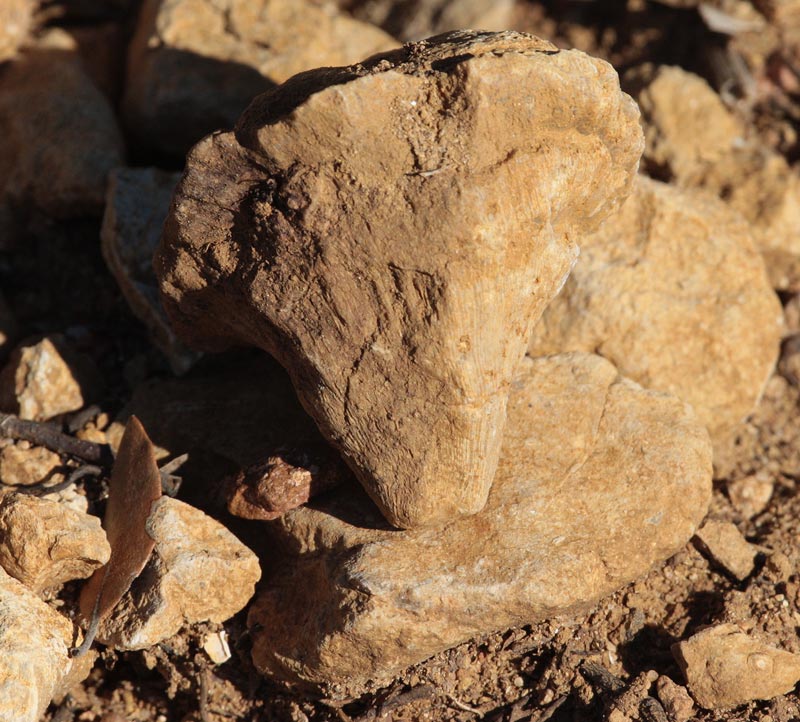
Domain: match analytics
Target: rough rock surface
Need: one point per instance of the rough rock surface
(390, 232)
(44, 544)
(599, 479)
(676, 700)
(725, 667)
(46, 94)
(199, 572)
(34, 660)
(39, 381)
(15, 23)
(136, 206)
(417, 19)
(25, 465)
(695, 141)
(194, 65)
(672, 291)
(724, 543)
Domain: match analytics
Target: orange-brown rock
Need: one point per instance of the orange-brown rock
(696, 142)
(673, 292)
(194, 65)
(724, 667)
(390, 232)
(599, 479)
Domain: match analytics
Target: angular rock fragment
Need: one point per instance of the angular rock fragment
(194, 65)
(390, 232)
(599, 479)
(34, 653)
(199, 572)
(60, 138)
(41, 380)
(672, 291)
(44, 544)
(25, 465)
(136, 206)
(283, 481)
(750, 494)
(725, 667)
(725, 544)
(676, 700)
(694, 141)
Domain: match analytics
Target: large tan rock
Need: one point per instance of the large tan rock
(199, 572)
(44, 543)
(59, 137)
(599, 480)
(672, 291)
(724, 667)
(136, 206)
(194, 65)
(34, 653)
(696, 142)
(390, 232)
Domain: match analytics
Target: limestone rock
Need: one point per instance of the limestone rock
(750, 495)
(724, 543)
(60, 138)
(390, 232)
(676, 700)
(15, 24)
(40, 380)
(25, 465)
(199, 572)
(696, 142)
(598, 480)
(672, 291)
(417, 19)
(725, 667)
(44, 544)
(136, 206)
(34, 659)
(194, 65)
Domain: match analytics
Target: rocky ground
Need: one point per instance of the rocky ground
(691, 288)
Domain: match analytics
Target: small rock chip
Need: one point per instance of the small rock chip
(599, 480)
(724, 543)
(725, 667)
(198, 572)
(216, 647)
(60, 138)
(40, 381)
(44, 543)
(194, 65)
(673, 292)
(750, 494)
(23, 465)
(34, 653)
(697, 141)
(676, 700)
(789, 364)
(137, 204)
(403, 323)
(284, 481)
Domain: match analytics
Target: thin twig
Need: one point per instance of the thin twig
(40, 489)
(48, 436)
(463, 705)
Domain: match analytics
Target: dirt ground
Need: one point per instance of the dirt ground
(580, 668)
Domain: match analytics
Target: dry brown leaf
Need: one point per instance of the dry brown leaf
(135, 485)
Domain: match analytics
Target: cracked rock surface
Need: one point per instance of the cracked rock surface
(599, 479)
(673, 292)
(390, 232)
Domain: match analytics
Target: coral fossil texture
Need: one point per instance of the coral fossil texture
(391, 231)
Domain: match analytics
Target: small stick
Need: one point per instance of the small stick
(46, 435)
(40, 489)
